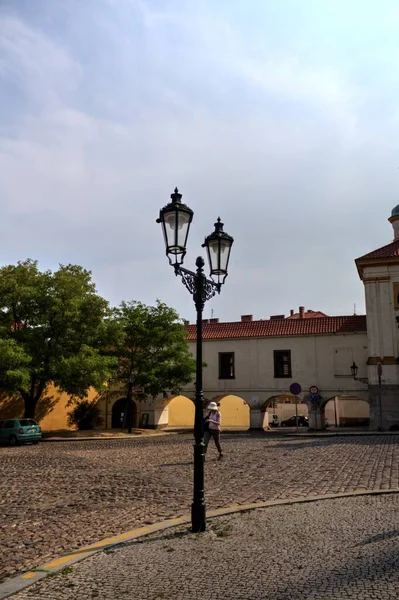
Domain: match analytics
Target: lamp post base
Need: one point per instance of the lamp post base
(198, 521)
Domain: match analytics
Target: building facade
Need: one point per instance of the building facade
(250, 364)
(259, 360)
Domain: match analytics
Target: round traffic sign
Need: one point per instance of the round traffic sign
(295, 389)
(313, 389)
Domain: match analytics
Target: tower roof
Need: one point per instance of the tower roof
(387, 254)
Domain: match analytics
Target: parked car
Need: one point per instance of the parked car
(291, 422)
(19, 431)
(273, 420)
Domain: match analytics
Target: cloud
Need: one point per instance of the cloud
(33, 62)
(105, 114)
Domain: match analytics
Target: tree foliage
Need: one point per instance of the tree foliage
(54, 327)
(154, 354)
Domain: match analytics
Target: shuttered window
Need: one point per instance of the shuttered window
(282, 363)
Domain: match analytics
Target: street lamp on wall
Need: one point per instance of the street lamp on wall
(354, 370)
(175, 219)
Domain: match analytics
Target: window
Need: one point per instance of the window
(9, 425)
(282, 363)
(226, 365)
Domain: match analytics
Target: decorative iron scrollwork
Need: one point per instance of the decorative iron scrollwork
(189, 280)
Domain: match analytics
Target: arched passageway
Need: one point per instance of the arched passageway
(346, 411)
(283, 406)
(181, 412)
(234, 412)
(120, 414)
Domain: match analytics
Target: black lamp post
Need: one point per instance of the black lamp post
(176, 219)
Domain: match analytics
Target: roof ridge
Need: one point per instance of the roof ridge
(284, 327)
(393, 244)
(246, 323)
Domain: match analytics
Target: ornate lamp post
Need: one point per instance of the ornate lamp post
(176, 219)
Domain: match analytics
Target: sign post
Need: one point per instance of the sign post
(379, 373)
(295, 390)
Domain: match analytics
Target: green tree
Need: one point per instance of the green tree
(54, 328)
(154, 355)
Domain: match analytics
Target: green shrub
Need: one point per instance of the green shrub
(85, 415)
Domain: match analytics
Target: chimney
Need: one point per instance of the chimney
(205, 321)
(291, 312)
(213, 320)
(186, 322)
(301, 311)
(277, 317)
(245, 318)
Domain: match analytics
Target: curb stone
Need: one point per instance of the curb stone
(102, 439)
(16, 584)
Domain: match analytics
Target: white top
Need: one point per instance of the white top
(215, 416)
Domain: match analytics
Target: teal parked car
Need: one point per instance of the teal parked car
(20, 431)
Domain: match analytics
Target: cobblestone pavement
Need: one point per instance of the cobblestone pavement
(56, 497)
(329, 550)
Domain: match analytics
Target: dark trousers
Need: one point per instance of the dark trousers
(215, 434)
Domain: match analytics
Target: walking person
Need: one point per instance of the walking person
(212, 424)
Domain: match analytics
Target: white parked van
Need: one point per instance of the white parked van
(274, 421)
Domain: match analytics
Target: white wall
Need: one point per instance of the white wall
(383, 331)
(313, 360)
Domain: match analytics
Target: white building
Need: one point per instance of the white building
(258, 360)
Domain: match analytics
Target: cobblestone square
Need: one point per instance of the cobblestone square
(327, 550)
(56, 497)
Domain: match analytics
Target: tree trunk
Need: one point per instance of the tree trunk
(130, 407)
(31, 399)
(30, 406)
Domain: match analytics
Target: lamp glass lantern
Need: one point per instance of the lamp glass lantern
(218, 245)
(175, 219)
(354, 369)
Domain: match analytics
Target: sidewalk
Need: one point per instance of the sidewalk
(66, 435)
(324, 550)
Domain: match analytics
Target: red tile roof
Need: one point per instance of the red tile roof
(389, 251)
(308, 314)
(284, 327)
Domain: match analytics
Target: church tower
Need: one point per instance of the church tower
(379, 271)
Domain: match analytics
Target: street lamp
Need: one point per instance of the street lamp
(354, 370)
(176, 219)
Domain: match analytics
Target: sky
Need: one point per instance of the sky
(280, 117)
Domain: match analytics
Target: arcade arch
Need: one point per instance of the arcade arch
(119, 417)
(234, 410)
(283, 406)
(181, 412)
(346, 411)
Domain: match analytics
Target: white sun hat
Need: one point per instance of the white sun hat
(212, 406)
